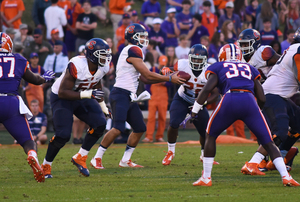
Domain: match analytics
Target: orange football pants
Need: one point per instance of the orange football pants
(158, 103)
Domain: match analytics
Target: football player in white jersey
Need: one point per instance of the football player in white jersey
(185, 97)
(280, 112)
(78, 91)
(129, 68)
(261, 57)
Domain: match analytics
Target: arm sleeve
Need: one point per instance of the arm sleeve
(135, 52)
(21, 6)
(267, 53)
(296, 59)
(72, 69)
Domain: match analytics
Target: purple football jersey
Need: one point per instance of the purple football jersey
(234, 75)
(12, 68)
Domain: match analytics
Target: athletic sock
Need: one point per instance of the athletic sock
(32, 153)
(202, 154)
(47, 162)
(257, 158)
(283, 153)
(127, 154)
(171, 147)
(207, 166)
(83, 152)
(280, 166)
(101, 150)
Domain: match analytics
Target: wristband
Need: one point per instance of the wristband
(170, 78)
(104, 107)
(86, 94)
(197, 107)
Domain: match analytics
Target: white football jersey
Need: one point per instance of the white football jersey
(260, 57)
(283, 78)
(126, 75)
(189, 90)
(80, 71)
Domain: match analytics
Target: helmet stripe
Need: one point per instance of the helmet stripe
(233, 51)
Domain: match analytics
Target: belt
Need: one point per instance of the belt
(7, 94)
(238, 91)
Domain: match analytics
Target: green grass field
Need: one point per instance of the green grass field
(154, 182)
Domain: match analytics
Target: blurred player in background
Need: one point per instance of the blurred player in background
(123, 95)
(77, 91)
(13, 112)
(238, 82)
(185, 97)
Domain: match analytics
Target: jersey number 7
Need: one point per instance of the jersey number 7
(12, 66)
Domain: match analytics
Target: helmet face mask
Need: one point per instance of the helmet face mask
(296, 37)
(198, 57)
(103, 56)
(142, 38)
(246, 46)
(197, 62)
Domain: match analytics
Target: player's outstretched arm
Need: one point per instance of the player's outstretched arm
(33, 78)
(259, 93)
(151, 77)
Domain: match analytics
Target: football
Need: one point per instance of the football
(184, 75)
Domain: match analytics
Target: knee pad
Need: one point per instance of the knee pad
(58, 142)
(96, 132)
(276, 140)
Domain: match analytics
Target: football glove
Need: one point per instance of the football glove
(48, 75)
(166, 71)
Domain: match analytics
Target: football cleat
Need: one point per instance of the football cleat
(129, 164)
(203, 182)
(47, 170)
(79, 162)
(289, 181)
(251, 169)
(215, 162)
(36, 168)
(262, 166)
(168, 158)
(270, 166)
(96, 163)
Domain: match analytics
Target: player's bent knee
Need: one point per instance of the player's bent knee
(140, 129)
(58, 141)
(97, 132)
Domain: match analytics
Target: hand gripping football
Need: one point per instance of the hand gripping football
(184, 75)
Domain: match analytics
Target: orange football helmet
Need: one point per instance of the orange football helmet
(230, 52)
(6, 44)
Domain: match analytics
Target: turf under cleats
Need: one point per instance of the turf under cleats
(80, 162)
(203, 182)
(47, 170)
(36, 168)
(251, 169)
(289, 181)
(168, 158)
(129, 164)
(215, 162)
(96, 163)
